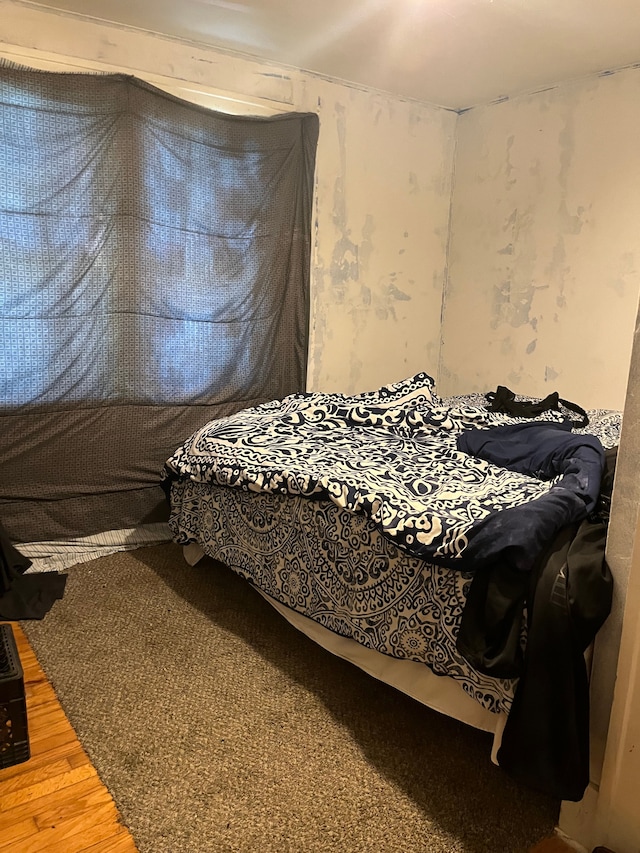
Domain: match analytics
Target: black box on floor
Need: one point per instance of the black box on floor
(14, 734)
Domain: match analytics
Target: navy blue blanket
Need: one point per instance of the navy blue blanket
(549, 452)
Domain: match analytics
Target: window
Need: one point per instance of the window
(154, 260)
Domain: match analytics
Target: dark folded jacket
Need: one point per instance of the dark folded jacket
(25, 596)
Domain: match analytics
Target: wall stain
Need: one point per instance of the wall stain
(557, 269)
(506, 346)
(550, 375)
(339, 199)
(397, 294)
(511, 220)
(344, 266)
(566, 143)
(349, 259)
(511, 303)
(568, 223)
(620, 283)
(344, 259)
(414, 120)
(366, 244)
(509, 167)
(355, 371)
(512, 298)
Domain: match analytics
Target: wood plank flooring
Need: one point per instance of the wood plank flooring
(55, 802)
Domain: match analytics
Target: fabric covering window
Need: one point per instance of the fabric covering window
(154, 274)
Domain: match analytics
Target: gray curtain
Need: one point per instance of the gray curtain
(154, 274)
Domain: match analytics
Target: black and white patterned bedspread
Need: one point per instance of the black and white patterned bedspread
(389, 454)
(335, 567)
(239, 488)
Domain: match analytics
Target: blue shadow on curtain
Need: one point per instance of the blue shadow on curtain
(154, 274)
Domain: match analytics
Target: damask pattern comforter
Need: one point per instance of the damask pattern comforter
(390, 454)
(335, 567)
(358, 511)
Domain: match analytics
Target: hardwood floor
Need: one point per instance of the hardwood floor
(55, 801)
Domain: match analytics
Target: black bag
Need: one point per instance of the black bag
(504, 400)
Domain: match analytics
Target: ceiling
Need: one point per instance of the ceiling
(455, 53)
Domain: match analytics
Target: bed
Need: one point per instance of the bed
(364, 523)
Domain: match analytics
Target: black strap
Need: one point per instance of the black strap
(504, 400)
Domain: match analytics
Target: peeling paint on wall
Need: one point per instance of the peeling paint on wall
(566, 145)
(626, 276)
(344, 266)
(509, 168)
(550, 375)
(544, 239)
(397, 294)
(372, 266)
(512, 304)
(570, 224)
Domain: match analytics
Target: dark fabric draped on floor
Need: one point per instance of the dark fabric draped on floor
(25, 596)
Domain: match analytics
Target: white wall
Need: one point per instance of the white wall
(382, 200)
(544, 269)
(384, 179)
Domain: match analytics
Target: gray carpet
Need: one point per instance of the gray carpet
(219, 728)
